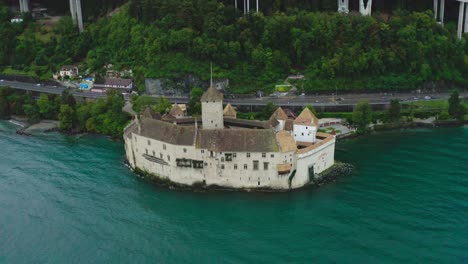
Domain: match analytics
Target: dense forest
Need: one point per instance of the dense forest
(169, 39)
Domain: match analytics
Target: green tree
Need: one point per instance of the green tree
(66, 117)
(194, 105)
(456, 109)
(394, 111)
(44, 105)
(68, 98)
(163, 106)
(4, 111)
(362, 116)
(268, 110)
(32, 112)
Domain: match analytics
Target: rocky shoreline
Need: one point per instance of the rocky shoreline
(338, 170)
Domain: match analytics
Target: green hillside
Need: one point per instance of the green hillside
(163, 38)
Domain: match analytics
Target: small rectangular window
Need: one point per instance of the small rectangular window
(222, 166)
(146, 150)
(160, 155)
(248, 155)
(255, 164)
(222, 159)
(154, 154)
(265, 165)
(202, 151)
(263, 155)
(245, 166)
(185, 150)
(164, 146)
(234, 155)
(149, 142)
(272, 155)
(235, 166)
(168, 158)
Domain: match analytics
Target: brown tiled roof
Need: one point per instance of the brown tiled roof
(289, 125)
(229, 111)
(289, 113)
(176, 110)
(212, 94)
(238, 140)
(280, 114)
(150, 113)
(118, 82)
(273, 121)
(229, 121)
(284, 168)
(286, 141)
(306, 118)
(68, 67)
(166, 132)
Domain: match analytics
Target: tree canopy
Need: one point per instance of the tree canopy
(169, 39)
(362, 116)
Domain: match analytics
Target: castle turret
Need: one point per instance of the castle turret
(212, 109)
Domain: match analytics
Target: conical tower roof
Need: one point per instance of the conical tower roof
(150, 113)
(176, 110)
(306, 118)
(280, 114)
(212, 94)
(229, 111)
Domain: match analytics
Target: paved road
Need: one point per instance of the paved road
(315, 100)
(48, 89)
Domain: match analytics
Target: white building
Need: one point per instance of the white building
(16, 19)
(223, 151)
(69, 71)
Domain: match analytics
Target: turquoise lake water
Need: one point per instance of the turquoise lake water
(71, 200)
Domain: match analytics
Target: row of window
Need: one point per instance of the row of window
(255, 165)
(160, 155)
(229, 156)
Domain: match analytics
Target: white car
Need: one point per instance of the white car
(2, 80)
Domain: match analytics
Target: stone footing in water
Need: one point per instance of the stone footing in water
(338, 170)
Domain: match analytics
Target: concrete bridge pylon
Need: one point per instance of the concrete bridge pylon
(24, 6)
(439, 11)
(343, 6)
(462, 17)
(76, 13)
(364, 9)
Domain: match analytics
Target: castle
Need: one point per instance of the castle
(222, 151)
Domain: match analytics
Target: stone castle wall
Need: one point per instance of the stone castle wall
(160, 159)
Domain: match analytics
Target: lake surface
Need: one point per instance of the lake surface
(71, 200)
